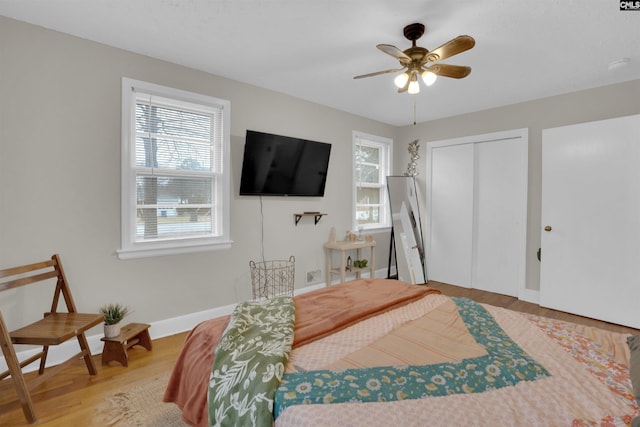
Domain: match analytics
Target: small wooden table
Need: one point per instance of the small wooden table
(343, 247)
(116, 348)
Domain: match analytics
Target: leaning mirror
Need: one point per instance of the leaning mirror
(406, 235)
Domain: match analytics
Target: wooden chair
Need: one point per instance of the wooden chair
(55, 328)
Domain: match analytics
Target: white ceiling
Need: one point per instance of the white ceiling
(311, 49)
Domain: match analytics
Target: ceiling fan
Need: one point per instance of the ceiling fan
(417, 60)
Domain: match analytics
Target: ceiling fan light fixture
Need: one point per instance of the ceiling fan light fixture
(414, 87)
(401, 80)
(429, 78)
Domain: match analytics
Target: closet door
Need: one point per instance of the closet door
(591, 209)
(476, 211)
(450, 214)
(500, 215)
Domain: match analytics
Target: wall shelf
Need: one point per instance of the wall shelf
(316, 216)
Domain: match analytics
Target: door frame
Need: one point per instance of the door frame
(522, 134)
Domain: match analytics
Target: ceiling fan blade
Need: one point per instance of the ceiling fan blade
(395, 52)
(453, 71)
(377, 73)
(450, 48)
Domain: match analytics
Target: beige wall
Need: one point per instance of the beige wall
(60, 179)
(60, 173)
(578, 107)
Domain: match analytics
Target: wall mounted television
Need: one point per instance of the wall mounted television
(275, 165)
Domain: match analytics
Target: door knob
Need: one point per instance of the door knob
(547, 228)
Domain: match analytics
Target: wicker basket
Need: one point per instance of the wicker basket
(272, 278)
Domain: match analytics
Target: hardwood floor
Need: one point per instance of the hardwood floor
(71, 398)
(515, 304)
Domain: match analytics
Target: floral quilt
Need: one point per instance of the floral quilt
(505, 364)
(249, 363)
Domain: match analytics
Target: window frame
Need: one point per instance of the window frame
(386, 144)
(130, 246)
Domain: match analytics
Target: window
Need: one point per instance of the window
(372, 165)
(175, 174)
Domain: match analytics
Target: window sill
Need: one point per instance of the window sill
(373, 230)
(154, 250)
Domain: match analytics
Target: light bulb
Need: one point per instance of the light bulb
(414, 87)
(401, 80)
(429, 78)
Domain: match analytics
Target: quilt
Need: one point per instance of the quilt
(474, 364)
(503, 364)
(580, 382)
(318, 314)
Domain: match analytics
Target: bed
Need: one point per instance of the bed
(381, 352)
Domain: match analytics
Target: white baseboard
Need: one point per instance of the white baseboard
(159, 329)
(529, 295)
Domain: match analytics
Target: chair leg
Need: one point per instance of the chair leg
(16, 373)
(43, 359)
(88, 360)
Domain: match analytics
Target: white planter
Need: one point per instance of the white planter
(111, 331)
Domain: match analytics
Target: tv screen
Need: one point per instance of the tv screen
(275, 165)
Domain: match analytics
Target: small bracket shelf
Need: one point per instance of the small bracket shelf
(316, 216)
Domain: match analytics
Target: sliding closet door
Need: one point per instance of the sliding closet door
(476, 211)
(500, 215)
(591, 219)
(450, 214)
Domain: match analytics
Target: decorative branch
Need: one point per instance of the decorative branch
(414, 147)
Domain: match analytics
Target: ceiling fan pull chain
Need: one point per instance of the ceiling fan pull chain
(414, 110)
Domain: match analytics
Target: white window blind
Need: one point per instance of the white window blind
(176, 184)
(372, 164)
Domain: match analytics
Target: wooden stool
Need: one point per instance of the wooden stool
(116, 348)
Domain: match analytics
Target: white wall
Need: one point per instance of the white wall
(594, 104)
(60, 179)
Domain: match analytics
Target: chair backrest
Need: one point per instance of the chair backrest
(15, 277)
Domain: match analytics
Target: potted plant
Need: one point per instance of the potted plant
(113, 314)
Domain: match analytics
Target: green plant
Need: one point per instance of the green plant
(113, 313)
(360, 263)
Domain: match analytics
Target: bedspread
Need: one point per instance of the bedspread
(503, 364)
(318, 314)
(587, 385)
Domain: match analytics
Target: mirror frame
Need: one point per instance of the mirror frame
(407, 248)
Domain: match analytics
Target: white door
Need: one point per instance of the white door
(449, 206)
(500, 216)
(591, 209)
(476, 211)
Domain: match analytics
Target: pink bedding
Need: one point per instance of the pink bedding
(318, 314)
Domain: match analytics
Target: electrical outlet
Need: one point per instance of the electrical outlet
(314, 276)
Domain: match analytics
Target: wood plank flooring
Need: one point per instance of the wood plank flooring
(71, 398)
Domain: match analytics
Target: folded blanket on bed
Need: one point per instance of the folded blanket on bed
(328, 310)
(249, 363)
(317, 315)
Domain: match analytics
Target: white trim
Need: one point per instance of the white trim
(129, 247)
(388, 144)
(529, 295)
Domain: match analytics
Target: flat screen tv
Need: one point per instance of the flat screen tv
(275, 165)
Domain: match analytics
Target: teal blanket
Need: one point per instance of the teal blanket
(249, 363)
(505, 364)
